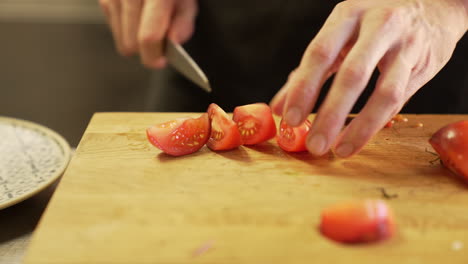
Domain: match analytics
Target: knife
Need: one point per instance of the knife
(184, 64)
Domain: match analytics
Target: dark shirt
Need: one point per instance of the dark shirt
(248, 48)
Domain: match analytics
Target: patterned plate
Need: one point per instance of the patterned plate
(32, 157)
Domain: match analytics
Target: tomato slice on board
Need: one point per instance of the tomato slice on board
(255, 123)
(358, 221)
(451, 143)
(181, 136)
(224, 132)
(293, 139)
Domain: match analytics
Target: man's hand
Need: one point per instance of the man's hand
(408, 40)
(140, 26)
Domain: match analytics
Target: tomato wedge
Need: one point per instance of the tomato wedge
(224, 132)
(293, 139)
(358, 221)
(181, 136)
(451, 143)
(255, 123)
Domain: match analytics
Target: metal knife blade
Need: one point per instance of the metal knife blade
(183, 63)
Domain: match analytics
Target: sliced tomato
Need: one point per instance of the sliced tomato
(451, 143)
(293, 139)
(181, 136)
(255, 123)
(358, 221)
(224, 132)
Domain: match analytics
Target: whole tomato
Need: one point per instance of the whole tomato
(451, 143)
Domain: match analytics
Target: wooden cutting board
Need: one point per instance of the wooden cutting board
(122, 201)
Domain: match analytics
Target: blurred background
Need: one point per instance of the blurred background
(58, 66)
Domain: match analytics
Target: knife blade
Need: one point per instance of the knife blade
(184, 64)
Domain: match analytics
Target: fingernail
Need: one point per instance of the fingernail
(316, 144)
(293, 116)
(344, 150)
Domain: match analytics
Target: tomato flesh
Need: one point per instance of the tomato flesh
(181, 136)
(255, 123)
(293, 139)
(224, 132)
(358, 221)
(451, 143)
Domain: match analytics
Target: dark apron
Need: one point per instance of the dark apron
(248, 48)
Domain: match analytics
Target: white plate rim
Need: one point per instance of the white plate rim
(59, 172)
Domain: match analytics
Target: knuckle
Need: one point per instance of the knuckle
(330, 117)
(353, 74)
(320, 52)
(308, 93)
(391, 94)
(301, 86)
(292, 74)
(392, 16)
(365, 130)
(345, 9)
(299, 83)
(341, 8)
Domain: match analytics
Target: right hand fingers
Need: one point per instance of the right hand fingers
(112, 10)
(143, 25)
(318, 60)
(155, 21)
(161, 19)
(131, 12)
(123, 17)
(182, 25)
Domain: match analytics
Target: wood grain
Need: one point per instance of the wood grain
(122, 201)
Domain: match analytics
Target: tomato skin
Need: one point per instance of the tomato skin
(389, 123)
(255, 123)
(358, 221)
(451, 143)
(180, 136)
(224, 132)
(293, 139)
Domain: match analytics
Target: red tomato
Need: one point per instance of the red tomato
(357, 221)
(181, 136)
(224, 132)
(293, 139)
(390, 123)
(255, 123)
(451, 143)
